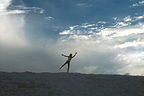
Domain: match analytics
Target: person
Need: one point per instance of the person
(68, 61)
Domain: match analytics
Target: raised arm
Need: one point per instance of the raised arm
(64, 55)
(74, 55)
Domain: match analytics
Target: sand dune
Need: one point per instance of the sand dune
(69, 84)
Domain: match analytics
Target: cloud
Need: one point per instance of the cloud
(84, 29)
(88, 69)
(103, 47)
(4, 4)
(93, 56)
(3, 8)
(139, 17)
(18, 54)
(139, 3)
(11, 27)
(13, 12)
(19, 9)
(20, 59)
(9, 33)
(133, 62)
(49, 18)
(30, 9)
(117, 45)
(135, 43)
(127, 19)
(84, 5)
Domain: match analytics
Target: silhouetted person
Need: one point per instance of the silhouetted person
(68, 61)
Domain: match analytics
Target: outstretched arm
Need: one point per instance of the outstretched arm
(75, 54)
(64, 55)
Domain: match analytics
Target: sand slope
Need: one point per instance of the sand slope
(69, 84)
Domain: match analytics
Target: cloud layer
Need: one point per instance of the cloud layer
(120, 45)
(104, 47)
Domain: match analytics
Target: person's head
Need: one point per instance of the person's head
(70, 55)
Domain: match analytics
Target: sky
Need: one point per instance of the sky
(107, 34)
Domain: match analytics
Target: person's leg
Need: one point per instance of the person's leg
(68, 66)
(63, 64)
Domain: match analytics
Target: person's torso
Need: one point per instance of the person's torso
(69, 58)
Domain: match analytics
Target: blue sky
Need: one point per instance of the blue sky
(66, 13)
(107, 34)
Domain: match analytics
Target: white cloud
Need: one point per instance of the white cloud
(102, 22)
(127, 19)
(139, 17)
(17, 51)
(11, 27)
(4, 4)
(34, 9)
(115, 18)
(21, 9)
(66, 32)
(12, 12)
(84, 5)
(121, 32)
(134, 5)
(86, 25)
(133, 63)
(139, 3)
(124, 44)
(85, 28)
(49, 18)
(100, 49)
(79, 37)
(41, 11)
(121, 24)
(12, 31)
(134, 44)
(88, 69)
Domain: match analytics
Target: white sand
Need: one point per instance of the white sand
(69, 84)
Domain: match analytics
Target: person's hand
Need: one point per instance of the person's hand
(76, 53)
(62, 54)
